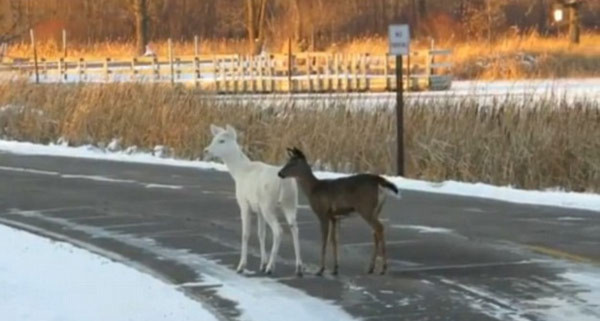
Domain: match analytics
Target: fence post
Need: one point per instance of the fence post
(386, 72)
(260, 65)
(177, 68)
(196, 49)
(134, 72)
(171, 61)
(290, 59)
(367, 69)
(60, 68)
(106, 70)
(271, 66)
(44, 68)
(197, 71)
(35, 59)
(80, 69)
(156, 68)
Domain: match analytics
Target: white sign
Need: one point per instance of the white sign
(399, 36)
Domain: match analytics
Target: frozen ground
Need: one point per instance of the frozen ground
(504, 193)
(41, 279)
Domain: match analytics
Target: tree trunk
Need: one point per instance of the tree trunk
(141, 25)
(255, 23)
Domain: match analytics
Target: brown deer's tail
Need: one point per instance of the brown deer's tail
(387, 184)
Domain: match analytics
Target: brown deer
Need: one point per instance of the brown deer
(332, 199)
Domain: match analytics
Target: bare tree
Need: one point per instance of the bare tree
(11, 20)
(255, 23)
(140, 10)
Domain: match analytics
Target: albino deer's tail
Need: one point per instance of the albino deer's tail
(391, 188)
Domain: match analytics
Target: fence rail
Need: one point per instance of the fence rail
(265, 73)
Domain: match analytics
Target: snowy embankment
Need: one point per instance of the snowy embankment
(586, 201)
(45, 280)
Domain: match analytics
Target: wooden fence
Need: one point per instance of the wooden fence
(265, 73)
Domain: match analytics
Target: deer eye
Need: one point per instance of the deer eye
(221, 141)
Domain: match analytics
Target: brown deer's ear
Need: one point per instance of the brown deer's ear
(298, 153)
(290, 152)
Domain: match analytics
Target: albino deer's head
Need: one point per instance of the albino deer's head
(224, 143)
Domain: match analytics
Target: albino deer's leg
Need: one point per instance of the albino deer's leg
(262, 233)
(290, 215)
(334, 244)
(270, 215)
(324, 240)
(245, 214)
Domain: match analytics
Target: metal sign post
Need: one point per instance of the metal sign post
(399, 37)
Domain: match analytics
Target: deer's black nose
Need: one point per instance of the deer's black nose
(280, 175)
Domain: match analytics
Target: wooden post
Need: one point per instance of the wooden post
(156, 68)
(367, 70)
(44, 68)
(336, 65)
(355, 63)
(235, 71)
(61, 68)
(386, 72)
(308, 72)
(196, 49)
(80, 69)
(35, 58)
(134, 71)
(328, 73)
(64, 42)
(290, 59)
(259, 64)
(272, 63)
(106, 70)
(217, 74)
(399, 117)
(197, 71)
(171, 61)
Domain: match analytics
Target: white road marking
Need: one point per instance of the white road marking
(96, 178)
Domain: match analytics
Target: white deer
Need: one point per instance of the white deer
(258, 189)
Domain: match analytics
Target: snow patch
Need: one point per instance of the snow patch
(46, 280)
(423, 229)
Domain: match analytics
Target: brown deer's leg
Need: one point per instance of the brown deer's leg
(324, 240)
(334, 244)
(382, 246)
(375, 251)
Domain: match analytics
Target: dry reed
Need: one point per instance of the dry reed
(530, 144)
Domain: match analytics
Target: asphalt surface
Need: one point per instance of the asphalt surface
(451, 258)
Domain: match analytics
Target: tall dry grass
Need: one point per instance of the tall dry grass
(507, 57)
(530, 144)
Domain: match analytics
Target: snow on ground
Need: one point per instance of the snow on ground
(586, 201)
(258, 299)
(423, 229)
(46, 280)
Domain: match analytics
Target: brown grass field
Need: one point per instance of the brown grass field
(533, 144)
(508, 57)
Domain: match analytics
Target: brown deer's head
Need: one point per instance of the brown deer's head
(297, 166)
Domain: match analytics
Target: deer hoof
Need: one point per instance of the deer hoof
(263, 268)
(320, 272)
(370, 270)
(299, 271)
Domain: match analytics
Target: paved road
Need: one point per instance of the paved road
(452, 258)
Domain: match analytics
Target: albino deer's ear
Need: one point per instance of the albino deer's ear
(231, 131)
(215, 130)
